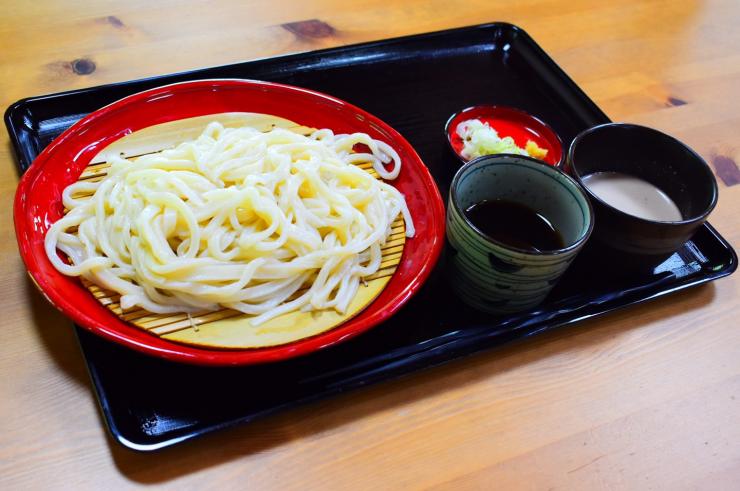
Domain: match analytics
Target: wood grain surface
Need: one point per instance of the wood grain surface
(646, 398)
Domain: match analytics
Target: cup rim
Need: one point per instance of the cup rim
(556, 170)
(570, 162)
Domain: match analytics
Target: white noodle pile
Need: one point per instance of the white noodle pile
(237, 218)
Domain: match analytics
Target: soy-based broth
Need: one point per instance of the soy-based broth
(515, 224)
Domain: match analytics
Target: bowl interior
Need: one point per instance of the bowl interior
(651, 155)
(38, 204)
(507, 121)
(544, 189)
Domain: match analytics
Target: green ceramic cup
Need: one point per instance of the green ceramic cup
(498, 278)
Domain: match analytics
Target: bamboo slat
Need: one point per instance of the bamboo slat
(188, 327)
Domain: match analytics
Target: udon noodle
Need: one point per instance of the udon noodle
(265, 223)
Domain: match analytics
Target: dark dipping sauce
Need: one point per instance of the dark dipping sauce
(515, 225)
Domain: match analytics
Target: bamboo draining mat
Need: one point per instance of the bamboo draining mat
(228, 328)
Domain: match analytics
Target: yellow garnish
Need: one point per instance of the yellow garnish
(535, 151)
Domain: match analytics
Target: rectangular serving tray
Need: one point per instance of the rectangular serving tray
(413, 83)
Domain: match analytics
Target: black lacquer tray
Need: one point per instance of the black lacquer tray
(413, 83)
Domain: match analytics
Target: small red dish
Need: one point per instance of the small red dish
(38, 205)
(507, 121)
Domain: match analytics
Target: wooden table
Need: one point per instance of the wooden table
(646, 398)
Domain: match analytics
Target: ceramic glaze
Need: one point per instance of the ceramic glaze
(629, 239)
(494, 276)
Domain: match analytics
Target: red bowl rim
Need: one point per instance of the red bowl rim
(172, 351)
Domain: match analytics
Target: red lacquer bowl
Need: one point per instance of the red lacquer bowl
(507, 121)
(38, 205)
